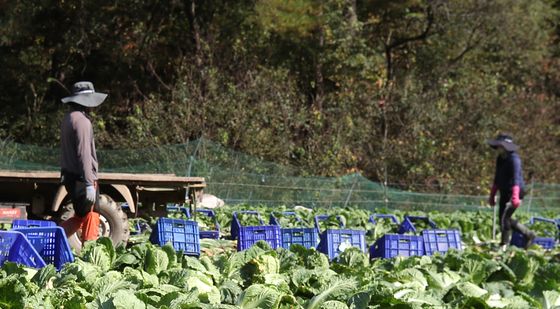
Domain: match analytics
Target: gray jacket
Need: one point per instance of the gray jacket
(78, 147)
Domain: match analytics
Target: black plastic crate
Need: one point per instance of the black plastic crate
(391, 245)
(182, 234)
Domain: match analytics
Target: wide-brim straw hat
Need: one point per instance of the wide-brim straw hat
(503, 140)
(84, 94)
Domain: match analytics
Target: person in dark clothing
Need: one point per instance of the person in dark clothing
(79, 160)
(508, 180)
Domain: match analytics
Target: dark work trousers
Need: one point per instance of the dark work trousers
(507, 224)
(76, 189)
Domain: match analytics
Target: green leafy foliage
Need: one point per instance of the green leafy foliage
(291, 220)
(410, 89)
(148, 276)
(249, 219)
(331, 222)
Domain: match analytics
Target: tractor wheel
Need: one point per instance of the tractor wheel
(113, 222)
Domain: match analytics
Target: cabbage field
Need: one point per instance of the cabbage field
(144, 275)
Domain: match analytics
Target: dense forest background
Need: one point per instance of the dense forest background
(405, 91)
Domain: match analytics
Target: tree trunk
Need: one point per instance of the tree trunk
(319, 82)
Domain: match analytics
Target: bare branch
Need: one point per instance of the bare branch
(401, 41)
(154, 73)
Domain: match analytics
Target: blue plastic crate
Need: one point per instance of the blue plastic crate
(274, 220)
(182, 234)
(214, 234)
(304, 236)
(517, 239)
(393, 218)
(319, 218)
(391, 245)
(441, 241)
(248, 235)
(140, 225)
(51, 243)
(334, 241)
(235, 224)
(407, 224)
(22, 223)
(14, 247)
(307, 237)
(175, 208)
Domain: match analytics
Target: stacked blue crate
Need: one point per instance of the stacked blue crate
(304, 236)
(547, 242)
(335, 241)
(16, 248)
(435, 240)
(391, 245)
(215, 233)
(248, 235)
(50, 242)
(24, 223)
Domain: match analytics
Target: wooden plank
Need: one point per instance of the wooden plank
(30, 174)
(149, 177)
(113, 178)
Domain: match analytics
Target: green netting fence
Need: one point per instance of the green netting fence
(238, 178)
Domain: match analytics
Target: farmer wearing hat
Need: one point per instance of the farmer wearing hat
(508, 180)
(79, 160)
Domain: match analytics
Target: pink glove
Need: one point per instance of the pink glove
(515, 201)
(492, 198)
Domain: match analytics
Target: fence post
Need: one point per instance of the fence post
(350, 192)
(192, 158)
(530, 196)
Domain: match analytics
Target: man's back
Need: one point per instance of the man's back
(78, 146)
